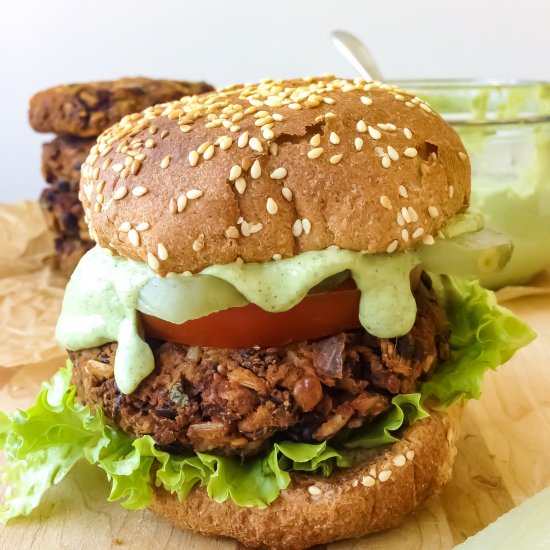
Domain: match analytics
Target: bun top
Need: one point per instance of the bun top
(270, 170)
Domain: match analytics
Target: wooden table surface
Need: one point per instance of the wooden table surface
(503, 458)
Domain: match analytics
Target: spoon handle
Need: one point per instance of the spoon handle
(357, 54)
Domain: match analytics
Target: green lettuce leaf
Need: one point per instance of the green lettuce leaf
(43, 443)
(484, 335)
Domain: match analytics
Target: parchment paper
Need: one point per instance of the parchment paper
(31, 292)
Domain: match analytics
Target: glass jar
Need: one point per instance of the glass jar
(505, 127)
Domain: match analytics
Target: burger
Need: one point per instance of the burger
(275, 334)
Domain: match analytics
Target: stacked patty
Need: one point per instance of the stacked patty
(78, 113)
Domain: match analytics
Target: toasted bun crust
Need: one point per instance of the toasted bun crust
(275, 169)
(350, 503)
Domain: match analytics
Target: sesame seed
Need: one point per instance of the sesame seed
(149, 143)
(164, 133)
(276, 257)
(255, 227)
(194, 194)
(315, 153)
(237, 117)
(240, 185)
(315, 141)
(408, 134)
(392, 247)
(255, 145)
(99, 198)
(209, 153)
(99, 187)
(106, 164)
(451, 191)
(355, 482)
(232, 232)
(315, 491)
(361, 126)
(374, 133)
(187, 274)
(409, 455)
(409, 104)
(403, 192)
(235, 128)
(181, 203)
(118, 167)
(334, 138)
(135, 166)
(294, 106)
(185, 128)
(271, 206)
(273, 149)
(306, 224)
(462, 155)
(358, 144)
(278, 117)
(406, 215)
(392, 153)
(133, 237)
(193, 158)
(278, 173)
(385, 202)
(399, 97)
(172, 206)
(97, 207)
(335, 159)
(139, 191)
(287, 193)
(433, 211)
(125, 227)
(368, 481)
(428, 240)
(366, 100)
(198, 245)
(152, 260)
(410, 152)
(267, 133)
(297, 228)
(235, 172)
(413, 214)
(405, 235)
(425, 107)
(143, 226)
(203, 147)
(384, 475)
(386, 161)
(162, 252)
(243, 140)
(245, 229)
(256, 169)
(418, 233)
(399, 460)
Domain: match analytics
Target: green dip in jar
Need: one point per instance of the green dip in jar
(505, 127)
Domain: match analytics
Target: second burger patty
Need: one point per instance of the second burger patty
(232, 401)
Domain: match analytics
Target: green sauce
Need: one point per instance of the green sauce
(106, 292)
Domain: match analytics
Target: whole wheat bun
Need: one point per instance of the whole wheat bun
(387, 485)
(271, 170)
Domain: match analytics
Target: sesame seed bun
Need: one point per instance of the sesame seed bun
(376, 495)
(271, 170)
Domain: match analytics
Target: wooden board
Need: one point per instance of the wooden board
(502, 460)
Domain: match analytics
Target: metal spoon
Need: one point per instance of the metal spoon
(357, 54)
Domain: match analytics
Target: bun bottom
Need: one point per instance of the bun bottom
(377, 494)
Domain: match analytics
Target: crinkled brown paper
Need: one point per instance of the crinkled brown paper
(31, 292)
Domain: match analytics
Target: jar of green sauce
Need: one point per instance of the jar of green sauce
(505, 127)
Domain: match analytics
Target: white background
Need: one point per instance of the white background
(46, 42)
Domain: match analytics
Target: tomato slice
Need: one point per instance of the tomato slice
(316, 316)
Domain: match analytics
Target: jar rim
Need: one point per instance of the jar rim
(480, 84)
